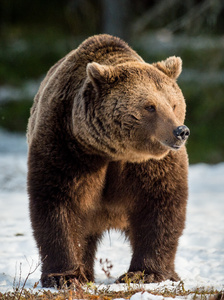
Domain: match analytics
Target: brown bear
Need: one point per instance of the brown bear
(106, 150)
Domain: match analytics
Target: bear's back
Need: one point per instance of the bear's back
(104, 49)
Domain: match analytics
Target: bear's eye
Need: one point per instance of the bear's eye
(150, 108)
(174, 107)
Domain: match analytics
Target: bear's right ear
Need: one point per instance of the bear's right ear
(100, 73)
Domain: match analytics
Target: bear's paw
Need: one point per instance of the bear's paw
(65, 279)
(143, 277)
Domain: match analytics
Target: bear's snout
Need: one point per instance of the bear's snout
(182, 132)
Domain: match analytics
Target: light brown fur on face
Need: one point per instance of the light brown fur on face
(106, 142)
(127, 130)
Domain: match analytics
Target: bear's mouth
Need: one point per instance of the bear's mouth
(173, 146)
(176, 147)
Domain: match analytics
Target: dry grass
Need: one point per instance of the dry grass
(97, 292)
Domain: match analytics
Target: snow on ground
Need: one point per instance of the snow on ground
(200, 256)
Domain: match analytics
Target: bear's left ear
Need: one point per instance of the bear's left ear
(100, 73)
(172, 66)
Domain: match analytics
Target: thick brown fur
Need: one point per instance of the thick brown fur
(102, 155)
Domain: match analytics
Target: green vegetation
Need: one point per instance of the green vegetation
(14, 115)
(205, 106)
(31, 56)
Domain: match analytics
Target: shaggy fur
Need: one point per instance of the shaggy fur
(102, 155)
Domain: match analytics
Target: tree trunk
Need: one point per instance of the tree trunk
(116, 17)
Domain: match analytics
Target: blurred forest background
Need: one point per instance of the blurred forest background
(35, 34)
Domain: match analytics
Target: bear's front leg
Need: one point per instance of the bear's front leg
(156, 223)
(63, 194)
(57, 227)
(154, 239)
(58, 234)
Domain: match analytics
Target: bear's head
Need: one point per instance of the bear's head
(133, 111)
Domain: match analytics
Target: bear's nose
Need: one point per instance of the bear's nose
(182, 132)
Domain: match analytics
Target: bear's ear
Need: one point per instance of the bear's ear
(172, 66)
(100, 73)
